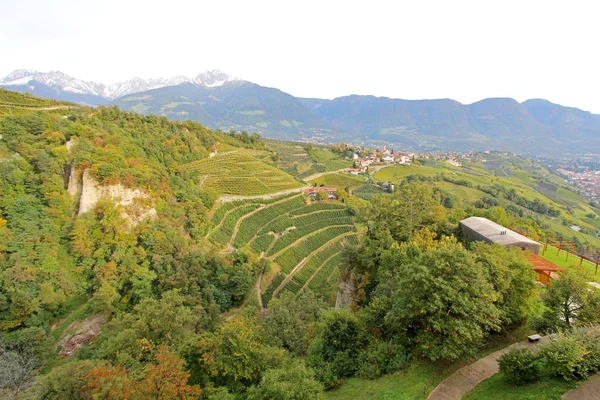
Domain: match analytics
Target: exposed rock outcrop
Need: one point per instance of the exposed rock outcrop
(86, 191)
(78, 333)
(74, 186)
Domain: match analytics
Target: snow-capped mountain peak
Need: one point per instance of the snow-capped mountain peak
(62, 81)
(18, 76)
(214, 78)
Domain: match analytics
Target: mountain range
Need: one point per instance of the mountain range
(220, 101)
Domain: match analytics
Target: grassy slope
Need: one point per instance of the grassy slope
(415, 382)
(497, 388)
(296, 160)
(12, 103)
(339, 180)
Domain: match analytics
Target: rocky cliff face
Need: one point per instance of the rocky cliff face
(86, 191)
(135, 204)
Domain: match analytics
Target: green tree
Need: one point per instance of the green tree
(520, 365)
(292, 382)
(334, 353)
(65, 382)
(569, 301)
(289, 318)
(234, 356)
(512, 278)
(440, 300)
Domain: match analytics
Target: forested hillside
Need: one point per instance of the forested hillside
(166, 286)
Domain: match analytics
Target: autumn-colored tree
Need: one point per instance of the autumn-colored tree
(166, 380)
(235, 357)
(108, 382)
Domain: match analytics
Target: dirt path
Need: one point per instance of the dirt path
(588, 390)
(225, 199)
(320, 174)
(459, 383)
(258, 294)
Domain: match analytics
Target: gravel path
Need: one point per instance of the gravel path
(225, 199)
(588, 390)
(459, 383)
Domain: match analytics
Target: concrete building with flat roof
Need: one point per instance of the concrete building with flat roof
(484, 230)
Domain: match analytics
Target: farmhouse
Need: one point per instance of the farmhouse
(312, 191)
(482, 229)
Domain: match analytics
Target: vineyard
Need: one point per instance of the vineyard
(238, 174)
(305, 241)
(340, 180)
(13, 102)
(366, 192)
(331, 161)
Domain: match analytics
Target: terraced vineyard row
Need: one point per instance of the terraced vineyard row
(292, 256)
(223, 234)
(268, 293)
(325, 275)
(315, 265)
(224, 207)
(318, 207)
(283, 222)
(251, 225)
(286, 230)
(295, 234)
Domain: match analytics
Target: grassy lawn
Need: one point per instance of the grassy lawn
(572, 261)
(397, 172)
(497, 388)
(415, 382)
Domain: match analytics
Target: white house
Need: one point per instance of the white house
(387, 158)
(404, 160)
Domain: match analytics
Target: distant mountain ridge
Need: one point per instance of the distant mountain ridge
(220, 101)
(60, 82)
(239, 105)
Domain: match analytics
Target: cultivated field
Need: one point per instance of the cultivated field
(238, 174)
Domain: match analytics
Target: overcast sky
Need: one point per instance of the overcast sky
(464, 50)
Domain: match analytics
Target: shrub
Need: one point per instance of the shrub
(565, 357)
(520, 365)
(292, 382)
(381, 358)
